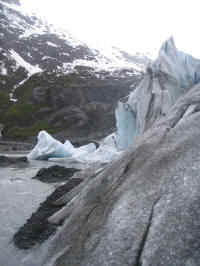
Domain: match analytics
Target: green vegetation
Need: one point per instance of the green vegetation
(4, 100)
(23, 133)
(25, 92)
(20, 114)
(4, 104)
(22, 119)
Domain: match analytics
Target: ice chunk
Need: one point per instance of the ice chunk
(106, 152)
(126, 125)
(84, 150)
(69, 146)
(48, 147)
(88, 154)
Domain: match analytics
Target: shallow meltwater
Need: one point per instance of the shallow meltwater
(20, 196)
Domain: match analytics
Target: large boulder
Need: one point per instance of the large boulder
(144, 208)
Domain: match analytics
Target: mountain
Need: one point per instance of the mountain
(144, 207)
(50, 80)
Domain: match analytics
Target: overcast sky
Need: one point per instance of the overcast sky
(140, 25)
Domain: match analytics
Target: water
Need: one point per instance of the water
(19, 197)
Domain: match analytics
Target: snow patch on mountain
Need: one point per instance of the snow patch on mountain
(21, 62)
(101, 64)
(3, 70)
(39, 26)
(11, 6)
(52, 44)
(31, 26)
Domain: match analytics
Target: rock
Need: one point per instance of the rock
(144, 208)
(70, 117)
(6, 161)
(1, 129)
(40, 95)
(55, 173)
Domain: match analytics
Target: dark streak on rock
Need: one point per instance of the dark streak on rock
(37, 229)
(144, 239)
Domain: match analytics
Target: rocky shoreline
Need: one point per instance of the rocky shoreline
(6, 161)
(13, 146)
(37, 228)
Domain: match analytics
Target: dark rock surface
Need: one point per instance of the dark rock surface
(143, 209)
(7, 161)
(76, 105)
(37, 229)
(55, 173)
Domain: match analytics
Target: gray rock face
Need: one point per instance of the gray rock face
(142, 209)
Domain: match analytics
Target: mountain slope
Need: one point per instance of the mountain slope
(49, 75)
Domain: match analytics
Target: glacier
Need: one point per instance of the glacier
(165, 80)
